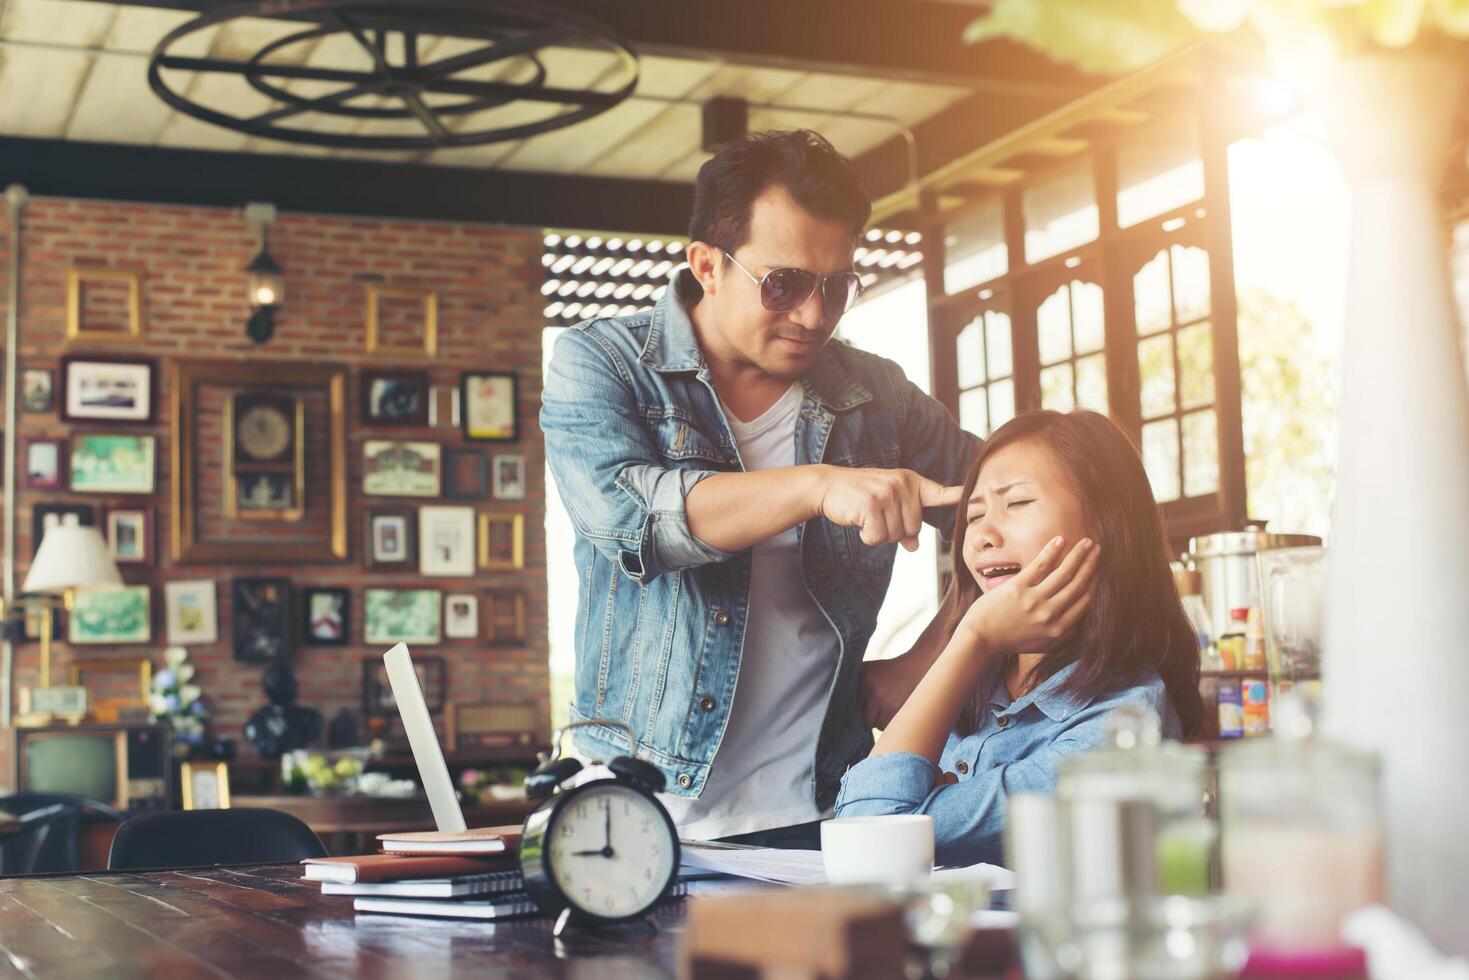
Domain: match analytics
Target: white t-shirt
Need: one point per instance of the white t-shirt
(762, 776)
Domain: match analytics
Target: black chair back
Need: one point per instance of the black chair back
(201, 838)
(57, 849)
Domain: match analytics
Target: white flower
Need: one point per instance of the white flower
(158, 704)
(189, 693)
(174, 656)
(186, 672)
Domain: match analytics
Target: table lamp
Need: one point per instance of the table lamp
(71, 556)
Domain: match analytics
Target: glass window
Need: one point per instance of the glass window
(975, 249)
(1057, 388)
(1151, 296)
(1160, 458)
(1053, 325)
(1155, 373)
(986, 389)
(1200, 453)
(1158, 169)
(997, 343)
(1196, 366)
(1091, 383)
(1060, 213)
(969, 347)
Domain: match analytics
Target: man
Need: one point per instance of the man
(739, 485)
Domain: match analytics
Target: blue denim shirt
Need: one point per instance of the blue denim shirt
(632, 423)
(1016, 749)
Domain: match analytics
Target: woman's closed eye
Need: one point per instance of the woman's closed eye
(1017, 503)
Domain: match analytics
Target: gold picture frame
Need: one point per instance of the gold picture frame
(186, 545)
(191, 772)
(144, 667)
(231, 477)
(489, 560)
(77, 278)
(430, 301)
(497, 599)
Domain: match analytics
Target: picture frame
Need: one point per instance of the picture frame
(377, 692)
(401, 468)
(505, 618)
(489, 406)
(115, 708)
(205, 785)
(461, 616)
(501, 542)
(129, 534)
(107, 463)
(260, 610)
(265, 456)
(395, 397)
(45, 464)
(46, 516)
(37, 391)
(402, 616)
(113, 389)
(326, 619)
(509, 477)
(191, 611)
(390, 539)
(77, 278)
(110, 616)
(466, 474)
(446, 540)
(428, 301)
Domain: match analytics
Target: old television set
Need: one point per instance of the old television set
(129, 767)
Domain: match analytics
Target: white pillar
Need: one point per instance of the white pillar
(1396, 666)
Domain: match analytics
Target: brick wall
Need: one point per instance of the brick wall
(489, 318)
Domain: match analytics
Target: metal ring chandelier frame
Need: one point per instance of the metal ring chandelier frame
(508, 28)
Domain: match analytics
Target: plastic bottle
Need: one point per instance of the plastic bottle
(1232, 641)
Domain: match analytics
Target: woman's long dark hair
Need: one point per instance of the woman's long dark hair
(1135, 620)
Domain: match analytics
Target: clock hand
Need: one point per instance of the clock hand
(607, 810)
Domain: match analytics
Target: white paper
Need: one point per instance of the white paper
(805, 867)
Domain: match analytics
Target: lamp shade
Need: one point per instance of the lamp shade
(71, 556)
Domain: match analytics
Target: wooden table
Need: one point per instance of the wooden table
(266, 922)
(347, 823)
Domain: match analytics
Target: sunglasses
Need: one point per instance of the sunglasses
(782, 290)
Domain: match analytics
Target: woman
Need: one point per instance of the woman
(1060, 528)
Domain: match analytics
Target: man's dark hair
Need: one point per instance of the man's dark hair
(810, 169)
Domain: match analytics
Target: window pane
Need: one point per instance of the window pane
(1002, 403)
(1158, 169)
(1087, 316)
(1200, 453)
(973, 415)
(1056, 391)
(1155, 371)
(1060, 213)
(1053, 325)
(975, 248)
(1160, 458)
(997, 343)
(1196, 365)
(1190, 282)
(970, 348)
(1150, 296)
(1091, 382)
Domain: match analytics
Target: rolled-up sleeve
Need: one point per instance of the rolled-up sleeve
(616, 489)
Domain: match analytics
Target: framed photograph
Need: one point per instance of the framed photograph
(505, 615)
(377, 693)
(502, 542)
(466, 474)
(488, 406)
(129, 533)
(261, 610)
(45, 464)
(390, 538)
(46, 516)
(395, 398)
(112, 464)
(37, 391)
(206, 785)
(446, 540)
(192, 611)
(106, 390)
(326, 621)
(400, 469)
(115, 615)
(401, 616)
(509, 477)
(461, 616)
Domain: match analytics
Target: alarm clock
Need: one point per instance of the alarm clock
(600, 851)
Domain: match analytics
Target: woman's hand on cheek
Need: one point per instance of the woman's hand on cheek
(1040, 605)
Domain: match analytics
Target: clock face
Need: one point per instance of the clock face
(611, 851)
(264, 432)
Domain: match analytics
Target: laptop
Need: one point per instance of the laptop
(433, 771)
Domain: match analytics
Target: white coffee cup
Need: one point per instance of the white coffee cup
(895, 849)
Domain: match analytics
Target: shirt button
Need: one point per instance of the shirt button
(963, 767)
(685, 781)
(1003, 720)
(707, 703)
(721, 618)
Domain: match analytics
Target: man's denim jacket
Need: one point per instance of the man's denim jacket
(632, 423)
